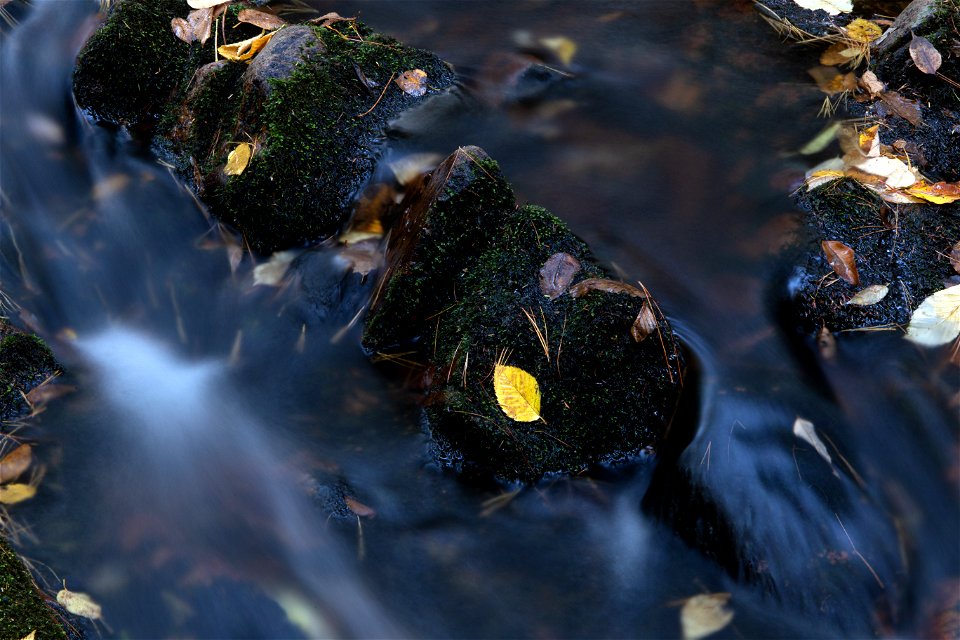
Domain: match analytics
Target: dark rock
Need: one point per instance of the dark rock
(25, 362)
(462, 289)
(290, 47)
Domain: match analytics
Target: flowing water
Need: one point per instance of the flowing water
(190, 476)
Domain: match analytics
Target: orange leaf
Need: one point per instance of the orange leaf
(842, 259)
(937, 193)
(413, 82)
(15, 463)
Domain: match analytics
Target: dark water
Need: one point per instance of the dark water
(187, 477)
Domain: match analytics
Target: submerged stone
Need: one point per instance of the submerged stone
(314, 104)
(463, 290)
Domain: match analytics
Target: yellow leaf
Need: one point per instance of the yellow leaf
(30, 636)
(517, 393)
(238, 159)
(863, 30)
(79, 604)
(245, 49)
(937, 320)
(937, 193)
(14, 493)
(564, 48)
(869, 141)
(15, 463)
(704, 614)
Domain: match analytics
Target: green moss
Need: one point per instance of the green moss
(22, 607)
(25, 361)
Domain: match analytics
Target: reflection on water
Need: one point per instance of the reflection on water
(199, 478)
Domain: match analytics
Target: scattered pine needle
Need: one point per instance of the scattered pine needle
(382, 93)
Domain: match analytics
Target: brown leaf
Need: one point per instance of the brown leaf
(413, 82)
(909, 110)
(359, 508)
(645, 323)
(46, 392)
(15, 463)
(584, 287)
(182, 29)
(955, 257)
(261, 19)
(328, 19)
(871, 83)
(557, 274)
(842, 259)
(201, 21)
(925, 55)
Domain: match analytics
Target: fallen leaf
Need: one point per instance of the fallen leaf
(30, 636)
(895, 172)
(925, 55)
(644, 324)
(871, 83)
(201, 21)
(869, 295)
(826, 344)
(272, 272)
(562, 47)
(937, 320)
(261, 19)
(182, 30)
(15, 463)
(937, 193)
(842, 260)
(358, 508)
(14, 493)
(356, 235)
(79, 604)
(821, 140)
(863, 30)
(362, 257)
(413, 82)
(410, 167)
(955, 257)
(909, 110)
(822, 177)
(584, 287)
(328, 19)
(557, 273)
(828, 79)
(238, 159)
(518, 393)
(204, 4)
(805, 430)
(833, 7)
(704, 614)
(869, 142)
(245, 49)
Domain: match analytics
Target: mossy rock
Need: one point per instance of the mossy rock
(314, 103)
(25, 362)
(462, 289)
(23, 608)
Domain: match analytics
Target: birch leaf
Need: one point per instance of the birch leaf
(238, 159)
(79, 604)
(925, 55)
(518, 393)
(805, 430)
(869, 295)
(833, 7)
(704, 614)
(15, 463)
(557, 273)
(937, 320)
(14, 493)
(842, 259)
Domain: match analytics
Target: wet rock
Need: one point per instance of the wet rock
(314, 105)
(25, 362)
(462, 290)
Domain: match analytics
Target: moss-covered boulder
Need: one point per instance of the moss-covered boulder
(25, 362)
(314, 105)
(23, 608)
(472, 282)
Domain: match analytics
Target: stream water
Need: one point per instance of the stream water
(213, 419)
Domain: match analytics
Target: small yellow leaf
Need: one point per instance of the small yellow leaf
(79, 604)
(245, 49)
(937, 320)
(869, 141)
(413, 82)
(937, 193)
(518, 393)
(30, 636)
(14, 493)
(238, 159)
(704, 614)
(644, 324)
(863, 30)
(869, 295)
(563, 47)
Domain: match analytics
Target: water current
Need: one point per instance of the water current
(190, 474)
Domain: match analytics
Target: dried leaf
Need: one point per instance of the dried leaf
(871, 83)
(909, 110)
(869, 295)
(863, 30)
(354, 236)
(358, 508)
(362, 257)
(14, 493)
(842, 260)
(413, 82)
(245, 49)
(821, 140)
(272, 272)
(562, 47)
(203, 4)
(584, 287)
(79, 604)
(644, 324)
(869, 142)
(15, 463)
(805, 430)
(894, 172)
(329, 18)
(955, 257)
(182, 30)
(410, 167)
(925, 55)
(937, 320)
(201, 21)
(704, 614)
(238, 159)
(826, 344)
(828, 79)
(518, 393)
(557, 274)
(937, 193)
(261, 19)
(838, 53)
(822, 177)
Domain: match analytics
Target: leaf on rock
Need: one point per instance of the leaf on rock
(842, 260)
(955, 257)
(18, 492)
(895, 172)
(245, 49)
(557, 274)
(182, 29)
(822, 177)
(328, 19)
(201, 21)
(15, 463)
(562, 47)
(261, 19)
(937, 320)
(518, 393)
(937, 193)
(204, 4)
(925, 55)
(413, 82)
(79, 604)
(863, 30)
(644, 324)
(805, 430)
(871, 83)
(833, 7)
(584, 287)
(909, 110)
(238, 159)
(704, 614)
(869, 295)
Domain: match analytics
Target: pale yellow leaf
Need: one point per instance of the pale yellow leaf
(14, 493)
(821, 140)
(833, 7)
(895, 172)
(238, 159)
(30, 636)
(79, 604)
(704, 615)
(563, 47)
(805, 430)
(937, 193)
(819, 178)
(869, 295)
(518, 393)
(245, 49)
(937, 320)
(204, 4)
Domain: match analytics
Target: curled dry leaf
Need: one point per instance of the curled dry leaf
(955, 257)
(557, 274)
(584, 287)
(408, 168)
(937, 193)
(937, 320)
(909, 110)
(518, 393)
(182, 30)
(14, 493)
(201, 21)
(925, 55)
(245, 49)
(413, 82)
(842, 260)
(15, 463)
(805, 430)
(822, 177)
(261, 19)
(238, 159)
(869, 141)
(328, 19)
(704, 614)
(863, 31)
(644, 324)
(870, 83)
(869, 295)
(79, 604)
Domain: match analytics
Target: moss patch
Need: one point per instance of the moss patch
(25, 361)
(22, 606)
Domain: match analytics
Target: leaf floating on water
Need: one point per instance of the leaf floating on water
(937, 193)
(261, 19)
(272, 271)
(704, 614)
(238, 159)
(833, 7)
(871, 83)
(518, 393)
(79, 604)
(925, 55)
(410, 167)
(584, 287)
(955, 257)
(14, 493)
(842, 260)
(15, 463)
(245, 49)
(413, 82)
(821, 141)
(869, 295)
(562, 47)
(937, 320)
(557, 273)
(863, 31)
(805, 430)
(645, 323)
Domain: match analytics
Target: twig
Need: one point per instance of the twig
(385, 87)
